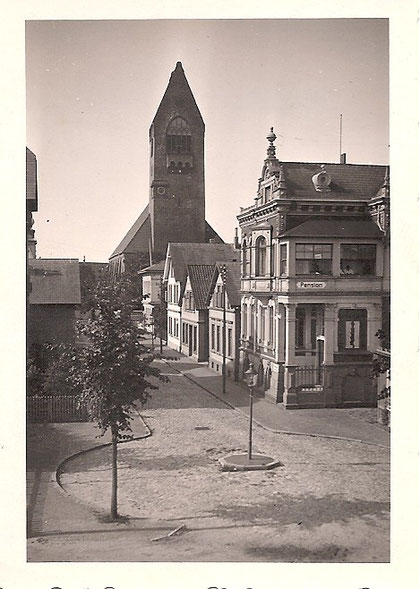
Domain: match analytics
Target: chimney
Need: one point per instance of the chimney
(343, 158)
(236, 240)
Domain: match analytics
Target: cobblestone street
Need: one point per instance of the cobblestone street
(329, 502)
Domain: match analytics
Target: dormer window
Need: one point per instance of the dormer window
(178, 137)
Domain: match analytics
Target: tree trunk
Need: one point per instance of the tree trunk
(114, 508)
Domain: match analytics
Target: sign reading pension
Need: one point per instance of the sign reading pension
(311, 285)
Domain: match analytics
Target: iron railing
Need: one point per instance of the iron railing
(54, 409)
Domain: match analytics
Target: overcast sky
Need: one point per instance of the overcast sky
(93, 88)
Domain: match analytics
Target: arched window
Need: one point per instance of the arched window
(245, 259)
(178, 137)
(260, 257)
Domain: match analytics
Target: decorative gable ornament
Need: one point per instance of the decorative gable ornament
(322, 181)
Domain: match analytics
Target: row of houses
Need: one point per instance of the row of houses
(202, 300)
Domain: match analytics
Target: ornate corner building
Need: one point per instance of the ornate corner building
(176, 209)
(315, 280)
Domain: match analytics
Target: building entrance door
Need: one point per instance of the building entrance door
(190, 340)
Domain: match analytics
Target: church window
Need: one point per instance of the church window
(178, 137)
(261, 257)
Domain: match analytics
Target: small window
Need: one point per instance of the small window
(195, 338)
(229, 341)
(313, 328)
(271, 325)
(300, 328)
(244, 321)
(218, 338)
(358, 259)
(313, 259)
(262, 324)
(245, 259)
(283, 259)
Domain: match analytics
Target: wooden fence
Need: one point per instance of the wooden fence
(54, 409)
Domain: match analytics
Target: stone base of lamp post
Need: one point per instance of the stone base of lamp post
(241, 461)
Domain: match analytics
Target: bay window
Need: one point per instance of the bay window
(357, 259)
(313, 259)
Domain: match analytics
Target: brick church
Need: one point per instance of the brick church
(176, 209)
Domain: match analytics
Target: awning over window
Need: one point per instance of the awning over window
(335, 228)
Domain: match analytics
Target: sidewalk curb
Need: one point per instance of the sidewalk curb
(274, 431)
(60, 467)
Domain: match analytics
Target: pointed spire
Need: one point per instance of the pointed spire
(271, 150)
(178, 94)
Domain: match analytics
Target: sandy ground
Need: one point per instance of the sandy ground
(329, 502)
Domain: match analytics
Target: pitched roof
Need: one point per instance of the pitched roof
(348, 181)
(182, 254)
(54, 282)
(335, 228)
(139, 224)
(201, 276)
(233, 281)
(210, 234)
(157, 268)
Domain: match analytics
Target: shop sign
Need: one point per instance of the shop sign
(311, 285)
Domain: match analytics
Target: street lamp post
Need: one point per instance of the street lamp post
(223, 276)
(250, 375)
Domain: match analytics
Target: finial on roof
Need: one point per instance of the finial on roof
(178, 64)
(271, 150)
(385, 185)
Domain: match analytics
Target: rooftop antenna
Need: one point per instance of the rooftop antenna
(343, 156)
(341, 135)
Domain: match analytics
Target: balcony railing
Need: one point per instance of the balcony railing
(308, 377)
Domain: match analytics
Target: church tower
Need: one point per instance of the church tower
(176, 209)
(176, 200)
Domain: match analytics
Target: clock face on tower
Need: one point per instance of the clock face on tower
(161, 190)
